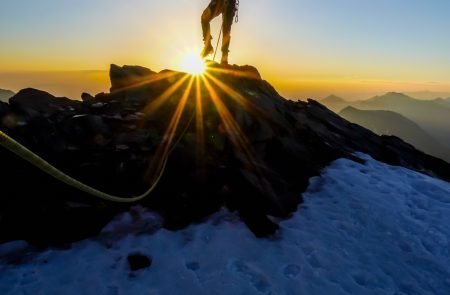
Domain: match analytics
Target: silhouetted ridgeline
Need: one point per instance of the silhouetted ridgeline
(5, 95)
(238, 144)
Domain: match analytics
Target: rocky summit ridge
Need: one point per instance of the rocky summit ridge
(233, 142)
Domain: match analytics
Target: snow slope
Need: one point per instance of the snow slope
(363, 229)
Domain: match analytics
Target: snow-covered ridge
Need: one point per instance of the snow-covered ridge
(363, 229)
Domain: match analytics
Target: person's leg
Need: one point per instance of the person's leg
(229, 12)
(212, 11)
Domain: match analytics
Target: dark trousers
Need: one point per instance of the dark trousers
(228, 9)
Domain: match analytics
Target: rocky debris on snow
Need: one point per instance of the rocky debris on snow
(137, 261)
(239, 144)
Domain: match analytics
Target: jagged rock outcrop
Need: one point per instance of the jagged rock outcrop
(238, 144)
(127, 75)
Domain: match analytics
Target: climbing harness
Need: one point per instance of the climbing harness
(27, 155)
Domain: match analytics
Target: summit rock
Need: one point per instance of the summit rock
(234, 142)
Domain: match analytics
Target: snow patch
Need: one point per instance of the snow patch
(363, 229)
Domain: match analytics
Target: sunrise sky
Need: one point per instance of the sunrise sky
(305, 48)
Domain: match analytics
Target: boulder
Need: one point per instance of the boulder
(236, 70)
(91, 125)
(86, 97)
(126, 76)
(138, 261)
(34, 102)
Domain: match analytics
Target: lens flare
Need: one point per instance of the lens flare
(193, 64)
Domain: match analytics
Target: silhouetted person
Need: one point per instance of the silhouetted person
(228, 9)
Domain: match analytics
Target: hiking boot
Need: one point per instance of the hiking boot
(224, 60)
(207, 50)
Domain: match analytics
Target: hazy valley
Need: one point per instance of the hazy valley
(422, 123)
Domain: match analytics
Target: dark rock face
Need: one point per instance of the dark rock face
(238, 144)
(127, 75)
(34, 103)
(4, 108)
(137, 261)
(86, 97)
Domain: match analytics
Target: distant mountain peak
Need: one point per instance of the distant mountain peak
(352, 110)
(334, 98)
(349, 109)
(391, 95)
(427, 94)
(334, 103)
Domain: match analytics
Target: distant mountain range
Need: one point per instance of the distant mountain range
(428, 95)
(431, 116)
(335, 103)
(391, 123)
(5, 95)
(443, 101)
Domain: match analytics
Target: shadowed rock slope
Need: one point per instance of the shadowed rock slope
(238, 144)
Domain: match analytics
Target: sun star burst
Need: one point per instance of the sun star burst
(193, 64)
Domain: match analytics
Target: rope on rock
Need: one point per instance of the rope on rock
(15, 147)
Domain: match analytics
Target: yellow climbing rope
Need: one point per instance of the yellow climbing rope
(24, 153)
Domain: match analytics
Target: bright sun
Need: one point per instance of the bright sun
(193, 64)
